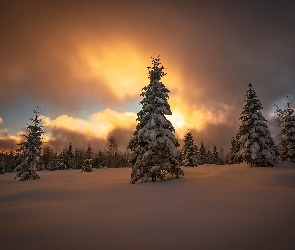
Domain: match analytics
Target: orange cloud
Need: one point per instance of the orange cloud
(117, 64)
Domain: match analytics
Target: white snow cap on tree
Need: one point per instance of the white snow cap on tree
(154, 143)
(257, 147)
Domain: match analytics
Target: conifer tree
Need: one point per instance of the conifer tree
(112, 152)
(215, 155)
(209, 156)
(286, 122)
(79, 158)
(234, 157)
(61, 160)
(221, 157)
(125, 159)
(154, 146)
(2, 163)
(30, 150)
(87, 164)
(68, 157)
(257, 147)
(189, 151)
(227, 158)
(99, 160)
(180, 156)
(46, 157)
(202, 154)
(53, 164)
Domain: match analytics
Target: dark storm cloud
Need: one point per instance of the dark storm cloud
(217, 47)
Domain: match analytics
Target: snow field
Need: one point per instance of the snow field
(211, 207)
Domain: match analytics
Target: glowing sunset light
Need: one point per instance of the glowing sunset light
(117, 64)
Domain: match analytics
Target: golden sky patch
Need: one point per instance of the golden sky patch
(117, 64)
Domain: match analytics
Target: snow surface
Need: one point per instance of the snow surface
(211, 207)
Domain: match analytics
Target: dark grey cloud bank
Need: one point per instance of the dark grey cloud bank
(217, 46)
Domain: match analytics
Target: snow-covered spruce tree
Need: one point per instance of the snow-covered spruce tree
(189, 151)
(87, 164)
(286, 122)
(153, 145)
(257, 147)
(30, 150)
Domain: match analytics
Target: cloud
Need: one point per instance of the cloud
(1, 121)
(7, 141)
(96, 129)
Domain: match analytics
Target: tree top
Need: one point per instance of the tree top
(156, 71)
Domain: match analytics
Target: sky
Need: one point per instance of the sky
(84, 63)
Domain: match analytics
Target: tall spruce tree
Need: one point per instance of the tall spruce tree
(257, 147)
(30, 150)
(189, 151)
(153, 145)
(286, 122)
